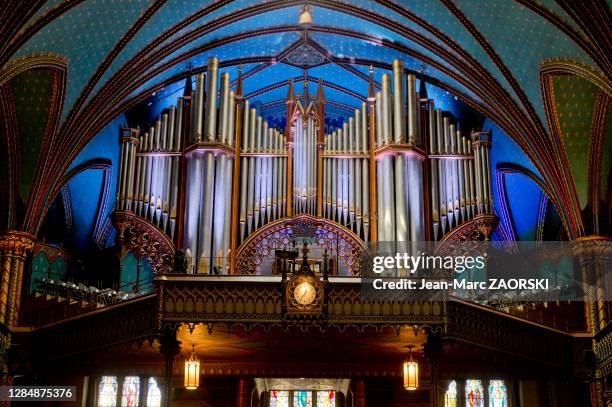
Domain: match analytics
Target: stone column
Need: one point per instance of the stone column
(360, 394)
(243, 392)
(14, 248)
(169, 348)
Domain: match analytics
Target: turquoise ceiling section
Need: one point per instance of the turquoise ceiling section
(553, 6)
(85, 36)
(522, 39)
(49, 4)
(170, 14)
(151, 30)
(263, 44)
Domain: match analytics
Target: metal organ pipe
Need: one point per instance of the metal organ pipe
(150, 162)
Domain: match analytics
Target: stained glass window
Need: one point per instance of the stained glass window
(107, 392)
(450, 397)
(498, 394)
(302, 398)
(474, 393)
(131, 391)
(326, 399)
(279, 398)
(153, 393)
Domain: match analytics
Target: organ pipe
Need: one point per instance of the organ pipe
(239, 173)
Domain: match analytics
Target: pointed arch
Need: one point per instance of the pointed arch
(550, 69)
(56, 66)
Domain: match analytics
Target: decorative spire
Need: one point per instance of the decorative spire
(422, 87)
(320, 95)
(290, 96)
(305, 87)
(188, 88)
(239, 90)
(371, 86)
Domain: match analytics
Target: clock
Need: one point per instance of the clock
(304, 293)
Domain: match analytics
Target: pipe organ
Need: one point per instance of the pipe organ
(305, 166)
(346, 175)
(210, 172)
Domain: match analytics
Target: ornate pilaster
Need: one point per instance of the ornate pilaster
(14, 248)
(593, 253)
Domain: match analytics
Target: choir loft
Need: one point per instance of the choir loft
(192, 192)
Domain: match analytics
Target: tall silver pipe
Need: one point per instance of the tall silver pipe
(211, 98)
(461, 176)
(450, 191)
(252, 170)
(471, 176)
(413, 113)
(399, 97)
(122, 175)
(258, 174)
(206, 215)
(192, 210)
(433, 162)
(478, 177)
(452, 135)
(244, 169)
(231, 119)
(198, 109)
(147, 179)
(155, 207)
(218, 214)
(488, 172)
(229, 169)
(386, 111)
(224, 109)
(143, 171)
(137, 175)
(380, 140)
(441, 171)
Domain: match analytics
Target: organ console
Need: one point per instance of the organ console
(210, 172)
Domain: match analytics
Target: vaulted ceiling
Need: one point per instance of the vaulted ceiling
(486, 54)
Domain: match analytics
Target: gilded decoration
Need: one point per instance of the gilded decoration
(16, 243)
(281, 235)
(145, 239)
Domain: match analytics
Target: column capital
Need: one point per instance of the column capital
(16, 242)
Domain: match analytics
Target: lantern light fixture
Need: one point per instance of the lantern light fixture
(192, 371)
(411, 372)
(305, 16)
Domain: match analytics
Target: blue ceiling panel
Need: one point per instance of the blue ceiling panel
(269, 76)
(524, 198)
(224, 53)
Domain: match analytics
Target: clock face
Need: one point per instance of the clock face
(304, 293)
